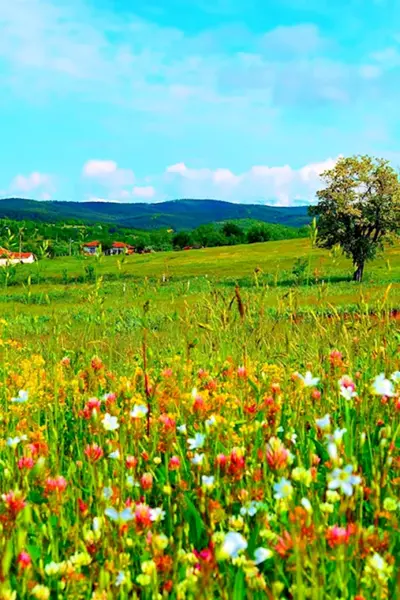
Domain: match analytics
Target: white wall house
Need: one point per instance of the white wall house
(15, 258)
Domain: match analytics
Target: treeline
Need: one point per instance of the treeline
(232, 233)
(67, 239)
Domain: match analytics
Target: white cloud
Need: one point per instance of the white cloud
(145, 191)
(279, 185)
(107, 173)
(99, 168)
(34, 182)
(294, 39)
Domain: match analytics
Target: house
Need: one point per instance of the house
(91, 247)
(14, 258)
(120, 248)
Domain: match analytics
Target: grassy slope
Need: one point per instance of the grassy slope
(192, 274)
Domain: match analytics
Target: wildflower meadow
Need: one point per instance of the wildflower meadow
(199, 447)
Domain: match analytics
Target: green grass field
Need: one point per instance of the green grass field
(166, 434)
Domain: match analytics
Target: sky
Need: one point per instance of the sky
(239, 100)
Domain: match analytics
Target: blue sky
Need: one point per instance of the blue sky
(242, 100)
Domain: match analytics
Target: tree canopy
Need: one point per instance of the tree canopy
(359, 208)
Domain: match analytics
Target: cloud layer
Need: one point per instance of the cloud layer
(241, 108)
(106, 181)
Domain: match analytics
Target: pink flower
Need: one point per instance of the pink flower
(337, 535)
(26, 462)
(56, 484)
(347, 382)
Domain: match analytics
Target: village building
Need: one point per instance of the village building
(120, 248)
(14, 258)
(91, 247)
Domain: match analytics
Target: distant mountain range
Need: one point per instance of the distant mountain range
(175, 214)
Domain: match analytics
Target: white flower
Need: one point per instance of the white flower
(382, 386)
(344, 480)
(110, 423)
(182, 429)
(306, 504)
(250, 509)
(96, 524)
(324, 423)
(207, 482)
(348, 393)
(107, 493)
(139, 411)
(333, 441)
(13, 442)
(194, 393)
(121, 578)
(120, 517)
(233, 544)
(114, 454)
(198, 459)
(157, 514)
(196, 442)
(395, 377)
(262, 554)
(283, 489)
(308, 380)
(211, 421)
(130, 482)
(22, 397)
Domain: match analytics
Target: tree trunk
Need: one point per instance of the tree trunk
(359, 272)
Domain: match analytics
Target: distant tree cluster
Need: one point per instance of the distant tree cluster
(67, 239)
(232, 233)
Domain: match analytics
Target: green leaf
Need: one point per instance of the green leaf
(239, 587)
(196, 525)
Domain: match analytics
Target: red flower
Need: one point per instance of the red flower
(130, 462)
(96, 363)
(336, 358)
(83, 507)
(146, 481)
(142, 515)
(24, 560)
(94, 452)
(174, 463)
(14, 502)
(284, 545)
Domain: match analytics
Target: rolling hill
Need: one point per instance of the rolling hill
(175, 214)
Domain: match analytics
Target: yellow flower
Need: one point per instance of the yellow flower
(41, 592)
(143, 580)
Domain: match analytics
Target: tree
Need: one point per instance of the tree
(358, 209)
(231, 229)
(182, 239)
(258, 233)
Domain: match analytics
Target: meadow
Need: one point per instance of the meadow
(218, 423)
